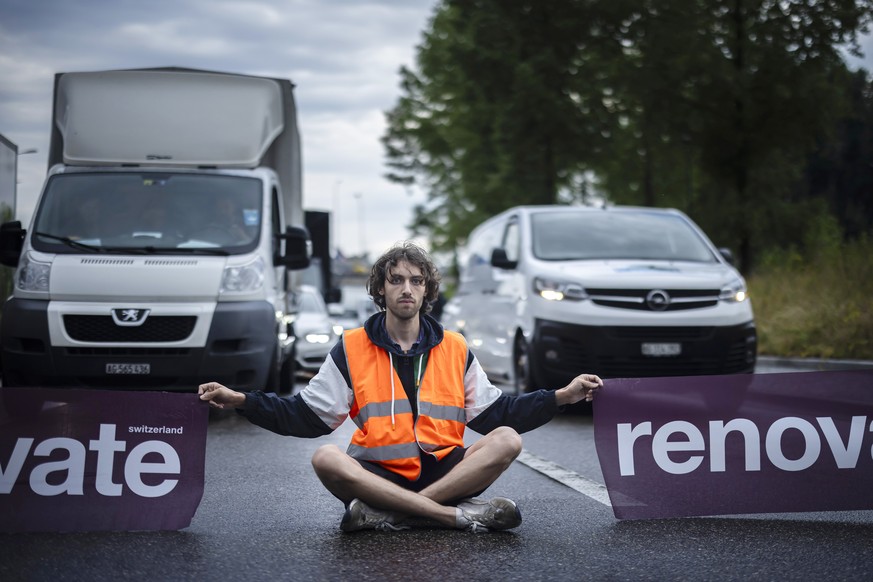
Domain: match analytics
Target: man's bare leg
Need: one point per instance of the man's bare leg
(485, 461)
(347, 480)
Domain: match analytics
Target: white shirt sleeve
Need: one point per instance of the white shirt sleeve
(328, 395)
(479, 392)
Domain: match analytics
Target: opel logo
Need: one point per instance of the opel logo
(129, 316)
(658, 300)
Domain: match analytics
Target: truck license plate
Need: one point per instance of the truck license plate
(660, 350)
(128, 368)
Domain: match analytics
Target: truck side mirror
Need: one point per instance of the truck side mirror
(11, 242)
(501, 261)
(297, 248)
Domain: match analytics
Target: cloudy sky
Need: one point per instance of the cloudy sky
(343, 56)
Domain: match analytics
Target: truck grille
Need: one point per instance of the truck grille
(157, 328)
(124, 351)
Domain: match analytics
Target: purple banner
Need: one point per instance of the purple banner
(100, 460)
(754, 443)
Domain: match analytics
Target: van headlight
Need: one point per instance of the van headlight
(554, 290)
(734, 292)
(33, 276)
(243, 278)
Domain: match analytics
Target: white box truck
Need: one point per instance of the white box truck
(162, 247)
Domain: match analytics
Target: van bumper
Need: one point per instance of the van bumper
(239, 350)
(561, 351)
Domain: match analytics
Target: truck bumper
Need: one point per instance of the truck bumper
(562, 351)
(240, 348)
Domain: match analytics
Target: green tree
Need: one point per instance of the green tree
(723, 102)
(713, 106)
(493, 117)
(840, 169)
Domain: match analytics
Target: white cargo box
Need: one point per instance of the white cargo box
(170, 117)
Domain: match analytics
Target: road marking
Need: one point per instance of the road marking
(571, 479)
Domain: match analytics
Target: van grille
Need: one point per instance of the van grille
(157, 328)
(577, 357)
(680, 299)
(639, 367)
(615, 351)
(659, 334)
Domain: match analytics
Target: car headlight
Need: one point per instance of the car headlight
(735, 292)
(243, 278)
(553, 290)
(317, 338)
(33, 275)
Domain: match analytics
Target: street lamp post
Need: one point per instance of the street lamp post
(360, 199)
(334, 217)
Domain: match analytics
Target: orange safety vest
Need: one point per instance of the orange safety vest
(441, 416)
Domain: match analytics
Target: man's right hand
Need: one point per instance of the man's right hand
(219, 396)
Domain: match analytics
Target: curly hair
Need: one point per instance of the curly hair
(414, 255)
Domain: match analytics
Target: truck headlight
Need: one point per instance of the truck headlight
(33, 275)
(553, 290)
(243, 278)
(734, 292)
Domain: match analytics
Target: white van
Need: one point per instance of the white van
(549, 292)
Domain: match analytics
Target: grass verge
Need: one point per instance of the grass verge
(816, 307)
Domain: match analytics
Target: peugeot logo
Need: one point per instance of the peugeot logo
(658, 300)
(129, 317)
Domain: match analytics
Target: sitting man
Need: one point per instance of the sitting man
(411, 388)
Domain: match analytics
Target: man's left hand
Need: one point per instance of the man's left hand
(582, 387)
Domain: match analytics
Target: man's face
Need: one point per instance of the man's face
(404, 290)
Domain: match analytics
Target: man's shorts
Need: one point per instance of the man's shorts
(432, 470)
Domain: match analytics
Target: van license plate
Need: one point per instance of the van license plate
(660, 350)
(128, 368)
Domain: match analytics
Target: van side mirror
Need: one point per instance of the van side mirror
(501, 261)
(297, 248)
(727, 254)
(11, 242)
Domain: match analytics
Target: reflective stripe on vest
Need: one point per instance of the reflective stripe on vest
(441, 421)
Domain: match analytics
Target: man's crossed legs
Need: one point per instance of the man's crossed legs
(376, 503)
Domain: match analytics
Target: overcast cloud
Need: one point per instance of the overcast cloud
(342, 55)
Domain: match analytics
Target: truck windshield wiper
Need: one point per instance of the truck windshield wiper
(199, 251)
(153, 250)
(147, 250)
(69, 242)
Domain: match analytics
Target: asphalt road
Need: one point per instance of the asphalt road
(264, 516)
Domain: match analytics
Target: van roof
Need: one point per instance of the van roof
(591, 208)
(532, 209)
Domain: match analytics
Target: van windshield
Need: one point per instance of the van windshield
(562, 236)
(148, 212)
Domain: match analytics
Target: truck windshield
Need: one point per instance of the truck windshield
(604, 235)
(148, 212)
